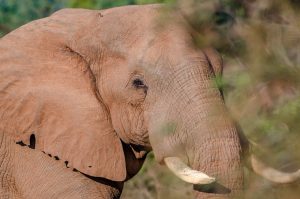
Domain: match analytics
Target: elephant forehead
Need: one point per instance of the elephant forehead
(137, 29)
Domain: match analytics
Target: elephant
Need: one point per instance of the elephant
(98, 90)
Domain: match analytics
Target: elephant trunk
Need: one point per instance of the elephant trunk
(220, 157)
(210, 146)
(196, 127)
(214, 163)
(214, 147)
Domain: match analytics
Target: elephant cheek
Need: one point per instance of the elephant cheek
(167, 143)
(120, 122)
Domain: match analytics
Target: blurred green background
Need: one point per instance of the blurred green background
(259, 42)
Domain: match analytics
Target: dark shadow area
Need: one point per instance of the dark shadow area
(32, 141)
(66, 163)
(21, 143)
(212, 188)
(115, 184)
(56, 158)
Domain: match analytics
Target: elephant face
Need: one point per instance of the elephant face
(140, 84)
(100, 89)
(159, 91)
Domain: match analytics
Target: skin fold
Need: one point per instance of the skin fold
(99, 90)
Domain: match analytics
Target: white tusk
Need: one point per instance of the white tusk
(185, 173)
(272, 174)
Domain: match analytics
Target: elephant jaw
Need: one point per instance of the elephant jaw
(185, 173)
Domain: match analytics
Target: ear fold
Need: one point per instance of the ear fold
(215, 60)
(62, 110)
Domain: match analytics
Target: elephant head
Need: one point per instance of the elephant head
(100, 89)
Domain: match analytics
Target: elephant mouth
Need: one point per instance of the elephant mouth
(215, 188)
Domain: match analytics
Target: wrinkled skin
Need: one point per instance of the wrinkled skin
(100, 89)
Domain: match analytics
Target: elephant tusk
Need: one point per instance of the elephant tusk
(272, 174)
(185, 173)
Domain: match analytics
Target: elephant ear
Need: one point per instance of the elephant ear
(62, 112)
(215, 60)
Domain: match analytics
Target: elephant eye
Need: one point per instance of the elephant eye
(138, 83)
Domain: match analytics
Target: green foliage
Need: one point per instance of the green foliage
(98, 4)
(14, 13)
(263, 78)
